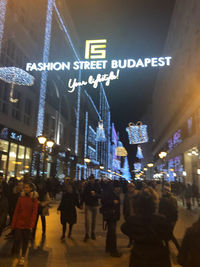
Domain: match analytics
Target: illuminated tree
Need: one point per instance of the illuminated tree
(125, 171)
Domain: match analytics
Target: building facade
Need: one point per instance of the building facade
(29, 34)
(176, 108)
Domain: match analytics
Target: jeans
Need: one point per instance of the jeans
(22, 237)
(93, 212)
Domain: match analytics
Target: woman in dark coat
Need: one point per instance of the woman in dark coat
(67, 209)
(189, 255)
(149, 231)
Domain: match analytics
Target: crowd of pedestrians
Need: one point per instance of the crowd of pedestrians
(149, 220)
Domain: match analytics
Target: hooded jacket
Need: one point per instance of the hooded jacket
(25, 212)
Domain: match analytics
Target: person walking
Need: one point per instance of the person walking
(128, 209)
(67, 210)
(43, 207)
(24, 219)
(149, 231)
(169, 208)
(90, 197)
(111, 214)
(189, 255)
(3, 210)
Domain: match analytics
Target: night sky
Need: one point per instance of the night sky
(133, 29)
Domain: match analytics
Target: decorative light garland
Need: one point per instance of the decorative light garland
(43, 85)
(16, 76)
(3, 4)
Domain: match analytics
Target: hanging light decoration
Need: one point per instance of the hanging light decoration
(14, 76)
(139, 154)
(120, 150)
(137, 133)
(100, 137)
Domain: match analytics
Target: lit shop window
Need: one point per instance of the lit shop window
(27, 160)
(20, 162)
(3, 145)
(12, 160)
(3, 164)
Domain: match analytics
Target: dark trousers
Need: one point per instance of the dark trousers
(22, 237)
(65, 228)
(43, 220)
(111, 237)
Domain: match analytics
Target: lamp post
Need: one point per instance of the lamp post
(87, 161)
(162, 155)
(45, 145)
(150, 166)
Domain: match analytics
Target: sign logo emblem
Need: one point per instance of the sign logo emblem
(95, 49)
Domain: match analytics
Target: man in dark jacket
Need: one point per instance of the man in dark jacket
(90, 197)
(111, 214)
(150, 233)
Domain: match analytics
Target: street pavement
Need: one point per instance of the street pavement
(52, 252)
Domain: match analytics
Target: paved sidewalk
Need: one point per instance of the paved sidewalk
(51, 252)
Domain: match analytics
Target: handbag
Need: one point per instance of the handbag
(137, 133)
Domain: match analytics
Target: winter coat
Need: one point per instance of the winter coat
(150, 236)
(128, 209)
(110, 210)
(43, 204)
(88, 198)
(3, 211)
(189, 255)
(168, 207)
(67, 208)
(25, 212)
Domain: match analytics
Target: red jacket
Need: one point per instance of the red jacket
(25, 213)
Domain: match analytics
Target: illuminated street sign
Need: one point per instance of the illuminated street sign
(95, 49)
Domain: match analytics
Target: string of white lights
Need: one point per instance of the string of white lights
(3, 4)
(16, 76)
(66, 31)
(43, 85)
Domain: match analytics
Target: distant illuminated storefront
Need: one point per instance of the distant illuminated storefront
(15, 153)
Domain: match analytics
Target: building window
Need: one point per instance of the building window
(16, 113)
(27, 111)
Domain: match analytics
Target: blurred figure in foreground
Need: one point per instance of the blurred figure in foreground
(149, 231)
(189, 255)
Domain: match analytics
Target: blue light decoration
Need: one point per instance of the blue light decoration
(125, 171)
(137, 133)
(3, 4)
(120, 150)
(43, 85)
(100, 132)
(175, 140)
(78, 115)
(16, 76)
(79, 77)
(85, 144)
(137, 166)
(139, 154)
